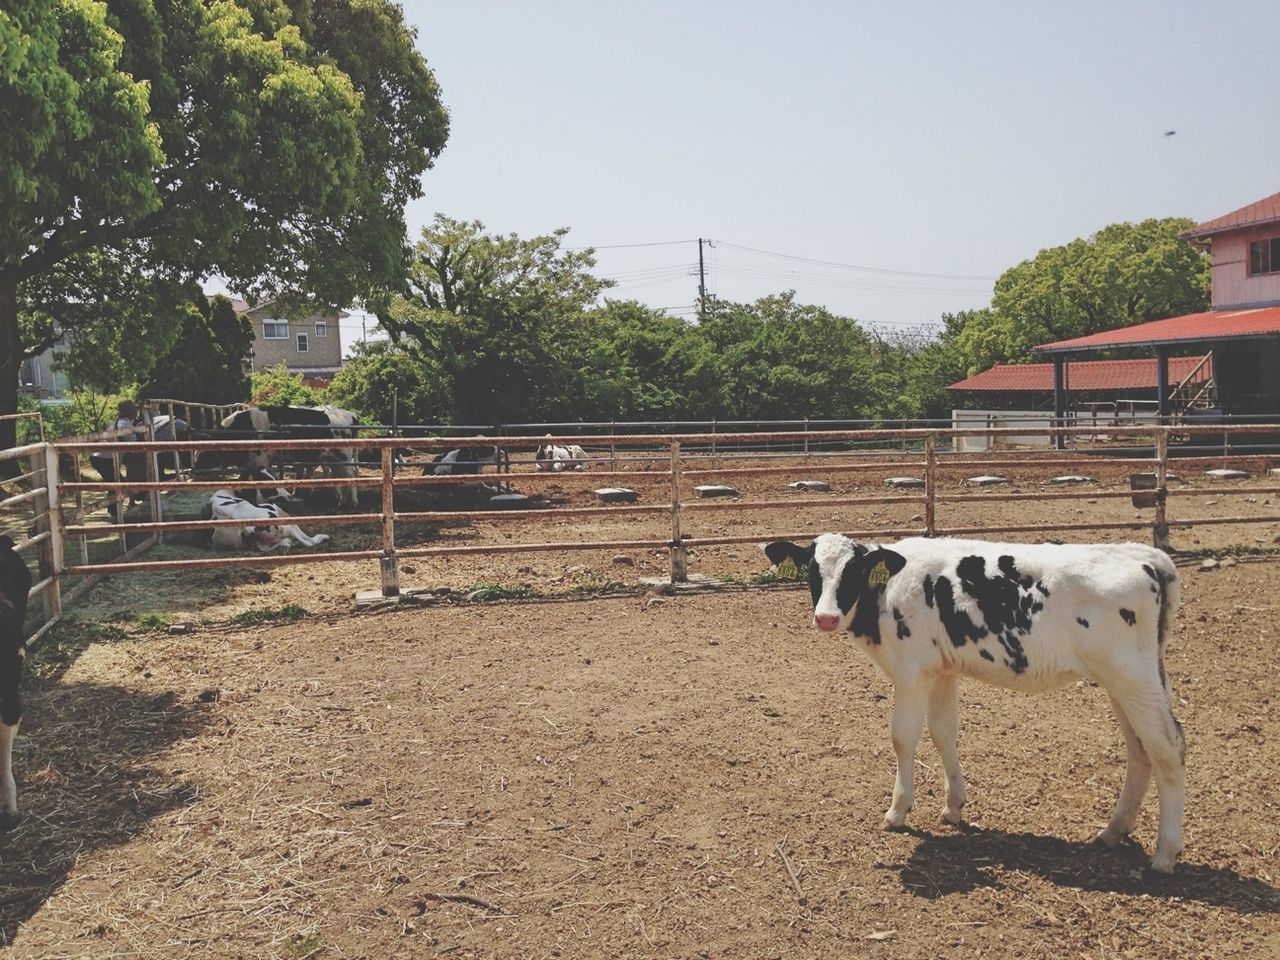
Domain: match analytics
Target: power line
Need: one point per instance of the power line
(854, 266)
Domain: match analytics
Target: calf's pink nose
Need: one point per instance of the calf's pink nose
(826, 621)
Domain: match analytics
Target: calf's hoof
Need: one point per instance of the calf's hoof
(953, 817)
(1163, 863)
(1111, 837)
(891, 822)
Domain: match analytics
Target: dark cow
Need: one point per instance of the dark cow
(463, 461)
(15, 584)
(292, 423)
(1026, 617)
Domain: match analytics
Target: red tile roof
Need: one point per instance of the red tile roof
(1191, 328)
(1082, 375)
(1266, 210)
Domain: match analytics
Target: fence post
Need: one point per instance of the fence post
(389, 571)
(679, 555)
(806, 443)
(1160, 527)
(57, 560)
(154, 498)
(613, 446)
(930, 471)
(78, 476)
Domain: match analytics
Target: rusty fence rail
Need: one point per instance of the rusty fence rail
(675, 461)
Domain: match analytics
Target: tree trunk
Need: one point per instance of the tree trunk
(10, 362)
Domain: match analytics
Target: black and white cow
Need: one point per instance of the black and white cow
(462, 461)
(264, 525)
(15, 584)
(295, 423)
(555, 457)
(1026, 617)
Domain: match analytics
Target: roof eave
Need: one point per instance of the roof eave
(1093, 348)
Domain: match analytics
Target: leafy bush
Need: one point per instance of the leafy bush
(278, 387)
(382, 382)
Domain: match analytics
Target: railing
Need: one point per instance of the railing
(675, 460)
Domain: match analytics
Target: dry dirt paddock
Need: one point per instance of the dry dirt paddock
(617, 777)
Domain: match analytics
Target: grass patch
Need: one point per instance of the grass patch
(488, 592)
(289, 612)
(1221, 553)
(302, 948)
(155, 621)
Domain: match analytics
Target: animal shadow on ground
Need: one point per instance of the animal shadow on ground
(85, 784)
(962, 861)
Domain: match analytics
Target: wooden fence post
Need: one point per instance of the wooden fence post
(56, 560)
(389, 570)
(679, 554)
(930, 477)
(1160, 527)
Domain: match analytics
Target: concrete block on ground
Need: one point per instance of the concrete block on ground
(987, 480)
(616, 495)
(715, 490)
(819, 485)
(903, 482)
(1072, 478)
(1223, 473)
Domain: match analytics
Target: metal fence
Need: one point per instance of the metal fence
(677, 462)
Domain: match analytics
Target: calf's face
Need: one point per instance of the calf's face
(845, 579)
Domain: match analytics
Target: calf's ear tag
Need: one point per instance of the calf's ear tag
(788, 569)
(879, 575)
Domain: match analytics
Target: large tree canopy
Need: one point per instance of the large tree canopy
(1124, 274)
(272, 142)
(498, 314)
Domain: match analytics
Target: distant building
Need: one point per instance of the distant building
(310, 346)
(1242, 330)
(38, 378)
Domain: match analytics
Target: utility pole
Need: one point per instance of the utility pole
(702, 284)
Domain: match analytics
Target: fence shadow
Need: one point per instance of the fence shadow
(85, 784)
(972, 858)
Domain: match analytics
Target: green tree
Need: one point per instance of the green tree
(498, 314)
(277, 387)
(206, 363)
(1124, 274)
(388, 384)
(272, 142)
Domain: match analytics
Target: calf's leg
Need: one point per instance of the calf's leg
(909, 706)
(944, 725)
(1161, 737)
(1137, 778)
(10, 717)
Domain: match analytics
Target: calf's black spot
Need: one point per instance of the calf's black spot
(903, 630)
(1083, 622)
(959, 626)
(1006, 602)
(1128, 616)
(986, 655)
(928, 590)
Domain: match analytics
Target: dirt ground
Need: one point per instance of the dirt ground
(619, 775)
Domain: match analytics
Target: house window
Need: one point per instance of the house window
(303, 345)
(322, 328)
(1264, 256)
(275, 330)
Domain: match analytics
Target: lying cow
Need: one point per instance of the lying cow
(263, 525)
(1025, 617)
(555, 457)
(293, 423)
(462, 461)
(15, 584)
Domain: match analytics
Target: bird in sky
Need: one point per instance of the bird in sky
(1170, 133)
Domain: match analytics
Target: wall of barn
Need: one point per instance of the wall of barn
(1248, 375)
(1232, 285)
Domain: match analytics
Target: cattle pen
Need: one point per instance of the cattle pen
(596, 768)
(922, 474)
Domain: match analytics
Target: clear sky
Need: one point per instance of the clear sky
(948, 139)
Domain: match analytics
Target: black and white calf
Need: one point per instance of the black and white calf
(15, 584)
(462, 461)
(554, 457)
(1026, 617)
(263, 525)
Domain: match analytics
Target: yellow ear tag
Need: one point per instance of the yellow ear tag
(787, 570)
(879, 575)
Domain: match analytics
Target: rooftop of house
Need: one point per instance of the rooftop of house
(1106, 375)
(1258, 213)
